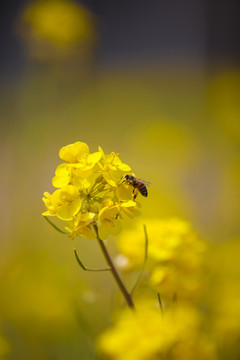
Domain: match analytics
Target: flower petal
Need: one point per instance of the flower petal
(72, 153)
(67, 212)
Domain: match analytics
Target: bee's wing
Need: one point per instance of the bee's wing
(144, 182)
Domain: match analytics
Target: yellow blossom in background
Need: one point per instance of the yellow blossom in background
(175, 256)
(223, 297)
(148, 334)
(56, 27)
(90, 192)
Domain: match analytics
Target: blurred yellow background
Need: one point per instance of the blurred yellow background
(176, 123)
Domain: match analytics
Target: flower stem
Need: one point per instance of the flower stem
(113, 270)
(144, 262)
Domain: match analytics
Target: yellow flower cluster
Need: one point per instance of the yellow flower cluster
(181, 329)
(223, 297)
(147, 334)
(175, 256)
(45, 18)
(90, 191)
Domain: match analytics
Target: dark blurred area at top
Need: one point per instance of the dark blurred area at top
(133, 32)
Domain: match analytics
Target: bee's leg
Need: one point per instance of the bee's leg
(135, 192)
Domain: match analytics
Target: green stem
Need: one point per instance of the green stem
(113, 270)
(144, 262)
(84, 267)
(160, 302)
(55, 226)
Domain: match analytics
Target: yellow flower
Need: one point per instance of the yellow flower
(147, 334)
(129, 208)
(109, 217)
(110, 224)
(45, 19)
(124, 192)
(73, 153)
(222, 297)
(175, 256)
(78, 166)
(90, 192)
(82, 226)
(64, 203)
(112, 168)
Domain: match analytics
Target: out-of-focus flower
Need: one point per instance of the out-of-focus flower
(90, 191)
(56, 27)
(223, 298)
(175, 256)
(147, 334)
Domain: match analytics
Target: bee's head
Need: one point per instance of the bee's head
(127, 177)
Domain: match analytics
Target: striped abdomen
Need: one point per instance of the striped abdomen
(142, 189)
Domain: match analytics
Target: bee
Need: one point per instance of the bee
(137, 184)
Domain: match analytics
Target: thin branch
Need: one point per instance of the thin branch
(160, 302)
(114, 272)
(55, 227)
(83, 267)
(144, 261)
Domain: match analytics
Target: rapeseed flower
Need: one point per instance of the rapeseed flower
(90, 191)
(64, 203)
(222, 297)
(54, 28)
(175, 256)
(147, 334)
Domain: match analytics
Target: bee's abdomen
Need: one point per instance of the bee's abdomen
(142, 189)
